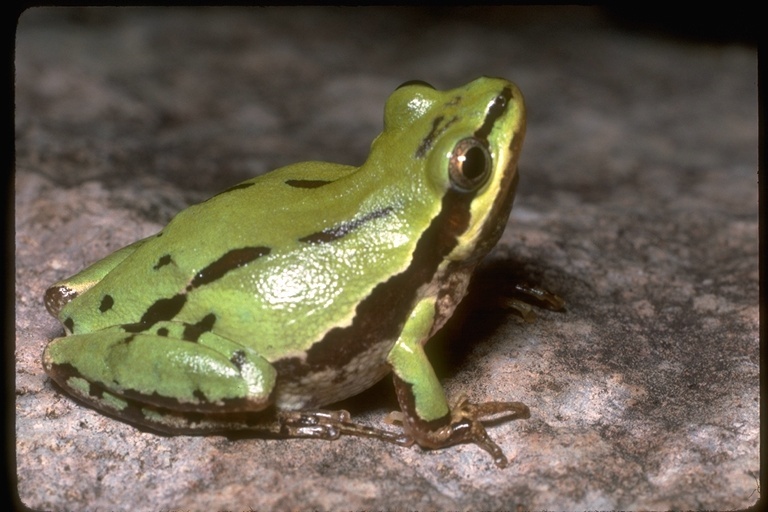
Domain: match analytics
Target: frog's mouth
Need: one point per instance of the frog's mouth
(497, 218)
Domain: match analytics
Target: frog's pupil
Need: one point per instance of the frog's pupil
(474, 163)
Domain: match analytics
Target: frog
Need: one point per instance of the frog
(256, 309)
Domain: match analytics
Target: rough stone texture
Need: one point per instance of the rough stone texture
(637, 204)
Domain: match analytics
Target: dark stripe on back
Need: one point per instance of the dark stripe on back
(167, 308)
(307, 183)
(192, 332)
(232, 260)
(106, 303)
(162, 309)
(163, 261)
(343, 229)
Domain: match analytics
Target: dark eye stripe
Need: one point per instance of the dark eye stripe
(495, 111)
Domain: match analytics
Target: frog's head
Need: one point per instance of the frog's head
(461, 149)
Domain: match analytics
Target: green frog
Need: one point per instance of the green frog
(304, 286)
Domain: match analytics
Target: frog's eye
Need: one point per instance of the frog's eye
(469, 165)
(420, 83)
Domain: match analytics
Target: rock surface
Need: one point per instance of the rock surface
(637, 205)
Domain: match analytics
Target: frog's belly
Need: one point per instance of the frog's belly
(300, 387)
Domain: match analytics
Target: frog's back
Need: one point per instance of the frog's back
(278, 260)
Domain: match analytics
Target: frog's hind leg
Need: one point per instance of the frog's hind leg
(324, 424)
(134, 374)
(58, 294)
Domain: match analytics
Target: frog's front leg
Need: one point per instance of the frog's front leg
(520, 296)
(171, 366)
(426, 416)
